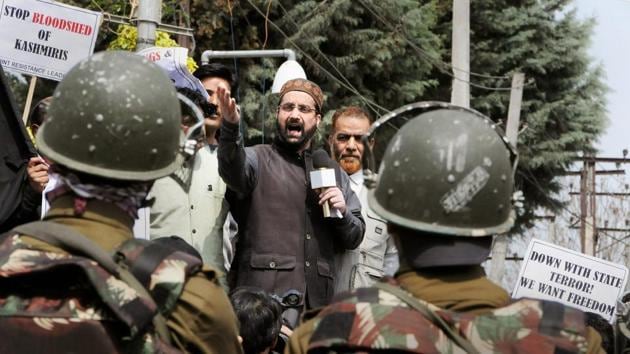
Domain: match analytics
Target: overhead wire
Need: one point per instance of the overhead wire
(616, 208)
(439, 64)
(371, 104)
(536, 184)
(186, 15)
(230, 7)
(323, 55)
(600, 247)
(436, 62)
(616, 241)
(267, 24)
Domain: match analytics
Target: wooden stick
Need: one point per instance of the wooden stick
(29, 98)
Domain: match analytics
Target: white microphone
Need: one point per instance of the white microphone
(323, 177)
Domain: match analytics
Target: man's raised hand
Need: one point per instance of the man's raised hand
(228, 106)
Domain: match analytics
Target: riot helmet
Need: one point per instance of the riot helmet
(114, 115)
(446, 170)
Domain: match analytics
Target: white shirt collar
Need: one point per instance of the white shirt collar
(356, 181)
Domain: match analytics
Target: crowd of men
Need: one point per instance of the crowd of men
(395, 266)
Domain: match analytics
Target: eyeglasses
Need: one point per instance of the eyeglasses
(289, 107)
(343, 137)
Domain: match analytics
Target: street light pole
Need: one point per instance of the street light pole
(149, 16)
(266, 53)
(290, 69)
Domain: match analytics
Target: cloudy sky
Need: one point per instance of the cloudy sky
(611, 48)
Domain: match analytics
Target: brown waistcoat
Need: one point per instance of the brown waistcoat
(284, 242)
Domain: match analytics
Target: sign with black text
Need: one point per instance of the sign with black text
(45, 38)
(551, 272)
(173, 61)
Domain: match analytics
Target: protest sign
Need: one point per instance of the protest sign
(45, 38)
(173, 61)
(551, 272)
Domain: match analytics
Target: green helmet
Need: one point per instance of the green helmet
(114, 115)
(446, 170)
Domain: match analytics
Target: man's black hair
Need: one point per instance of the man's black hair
(216, 70)
(259, 316)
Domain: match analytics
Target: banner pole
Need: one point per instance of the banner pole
(29, 98)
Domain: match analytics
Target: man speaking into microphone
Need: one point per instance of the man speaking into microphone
(323, 177)
(284, 241)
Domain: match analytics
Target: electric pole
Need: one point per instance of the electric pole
(588, 195)
(461, 53)
(587, 206)
(499, 248)
(149, 16)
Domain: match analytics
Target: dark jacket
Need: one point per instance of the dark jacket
(284, 242)
(18, 203)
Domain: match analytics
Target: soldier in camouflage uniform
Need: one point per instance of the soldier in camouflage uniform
(444, 185)
(113, 129)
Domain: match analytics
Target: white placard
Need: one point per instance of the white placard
(45, 38)
(551, 272)
(173, 61)
(322, 178)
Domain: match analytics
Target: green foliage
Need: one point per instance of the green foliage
(383, 54)
(127, 36)
(354, 56)
(563, 100)
(108, 30)
(18, 86)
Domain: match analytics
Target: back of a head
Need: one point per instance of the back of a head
(449, 172)
(259, 316)
(444, 184)
(115, 115)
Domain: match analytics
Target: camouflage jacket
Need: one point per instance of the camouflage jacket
(373, 320)
(61, 303)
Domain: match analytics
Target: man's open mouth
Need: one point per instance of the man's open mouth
(294, 129)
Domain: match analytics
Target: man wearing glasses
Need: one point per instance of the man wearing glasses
(376, 256)
(284, 241)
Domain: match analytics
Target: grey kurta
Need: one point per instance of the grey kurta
(375, 257)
